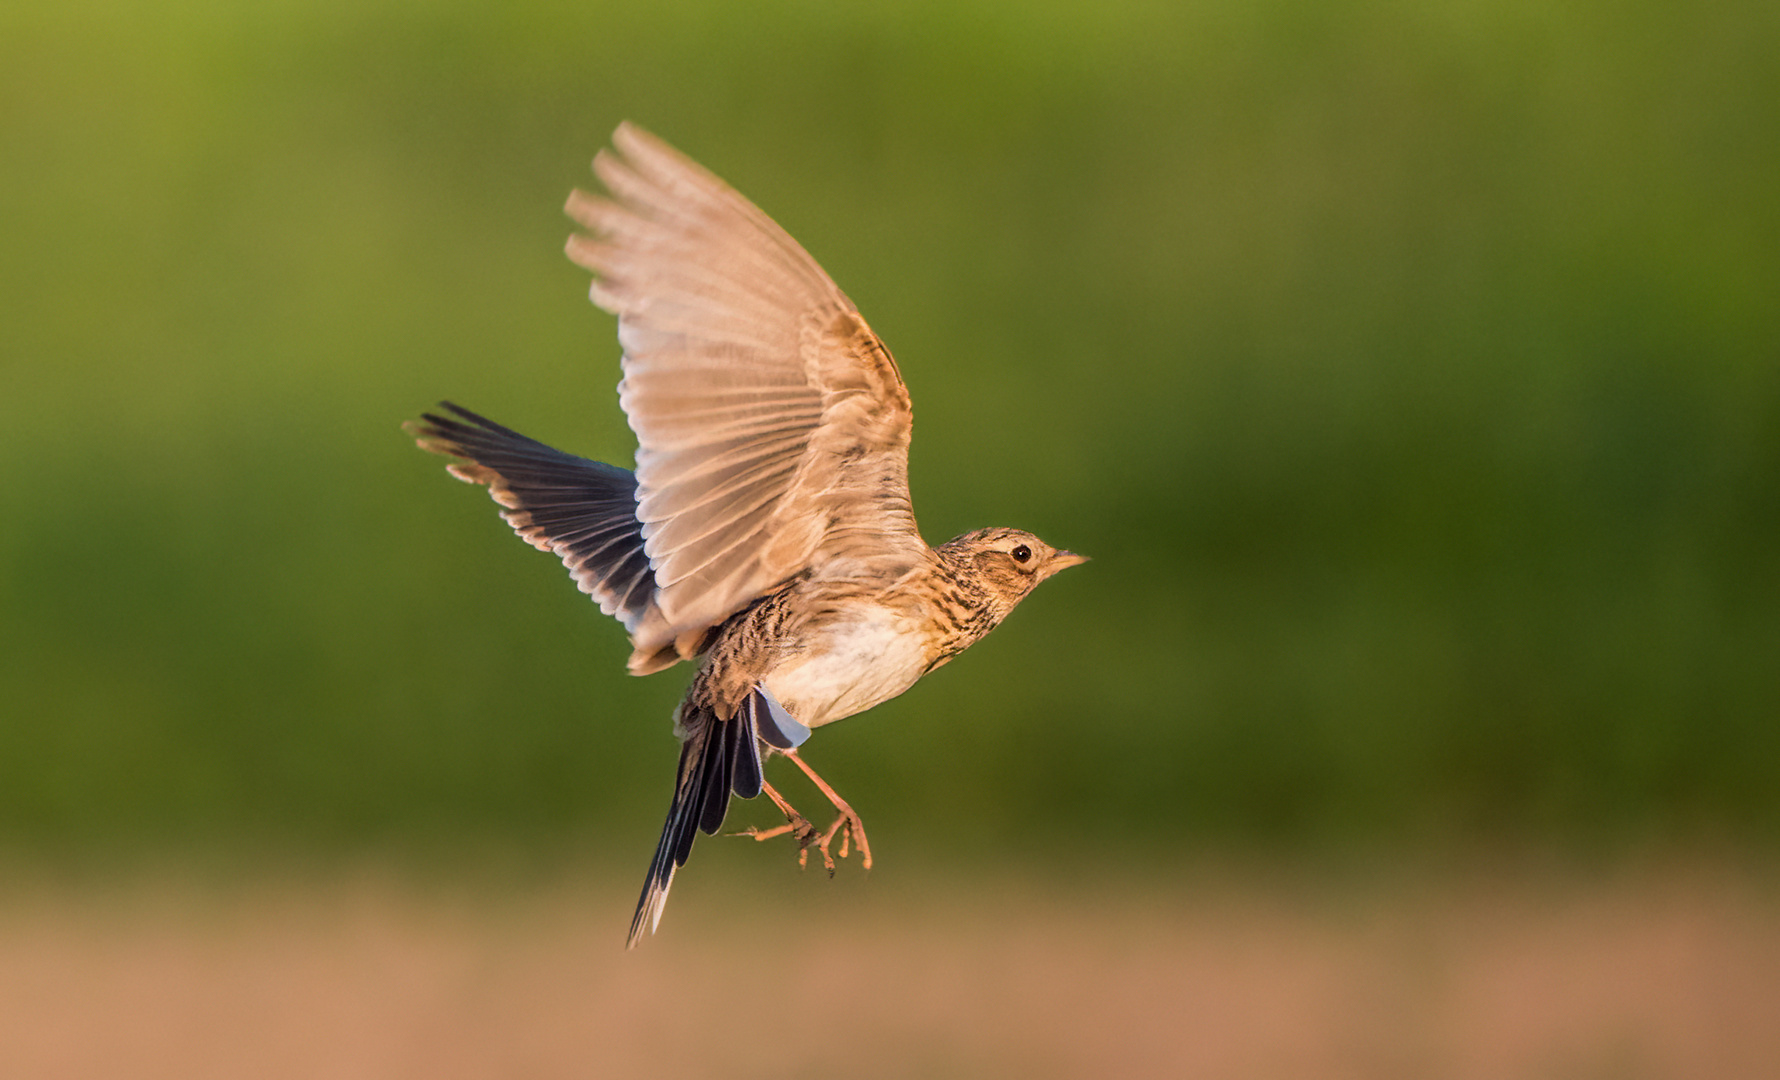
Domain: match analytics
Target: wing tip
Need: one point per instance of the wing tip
(584, 208)
(634, 141)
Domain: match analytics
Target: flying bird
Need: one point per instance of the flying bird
(767, 528)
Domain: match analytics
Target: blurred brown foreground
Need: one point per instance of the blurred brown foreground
(1668, 972)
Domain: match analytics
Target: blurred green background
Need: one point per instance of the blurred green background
(1411, 371)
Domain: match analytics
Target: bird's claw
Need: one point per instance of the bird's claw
(852, 834)
(847, 826)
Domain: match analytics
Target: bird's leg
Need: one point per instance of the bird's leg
(848, 820)
(795, 824)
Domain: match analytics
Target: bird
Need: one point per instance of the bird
(766, 531)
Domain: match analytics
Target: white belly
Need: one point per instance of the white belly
(851, 666)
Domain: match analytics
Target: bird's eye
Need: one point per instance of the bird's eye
(1021, 553)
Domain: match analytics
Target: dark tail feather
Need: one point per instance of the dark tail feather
(745, 778)
(717, 758)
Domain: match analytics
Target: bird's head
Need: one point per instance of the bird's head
(1007, 563)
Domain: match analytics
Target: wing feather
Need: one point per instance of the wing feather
(582, 511)
(772, 425)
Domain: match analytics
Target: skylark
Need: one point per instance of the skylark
(767, 527)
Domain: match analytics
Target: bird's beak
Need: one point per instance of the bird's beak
(1063, 560)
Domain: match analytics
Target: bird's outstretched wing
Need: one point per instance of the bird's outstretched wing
(584, 512)
(773, 425)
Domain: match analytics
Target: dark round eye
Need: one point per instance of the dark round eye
(1021, 553)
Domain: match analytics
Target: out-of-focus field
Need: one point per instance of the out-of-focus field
(1670, 972)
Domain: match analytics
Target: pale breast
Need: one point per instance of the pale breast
(847, 667)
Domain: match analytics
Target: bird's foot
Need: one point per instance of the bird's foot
(848, 826)
(852, 833)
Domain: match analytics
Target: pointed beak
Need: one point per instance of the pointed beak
(1063, 560)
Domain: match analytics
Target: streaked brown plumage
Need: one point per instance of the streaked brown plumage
(767, 527)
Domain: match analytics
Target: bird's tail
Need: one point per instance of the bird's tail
(718, 757)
